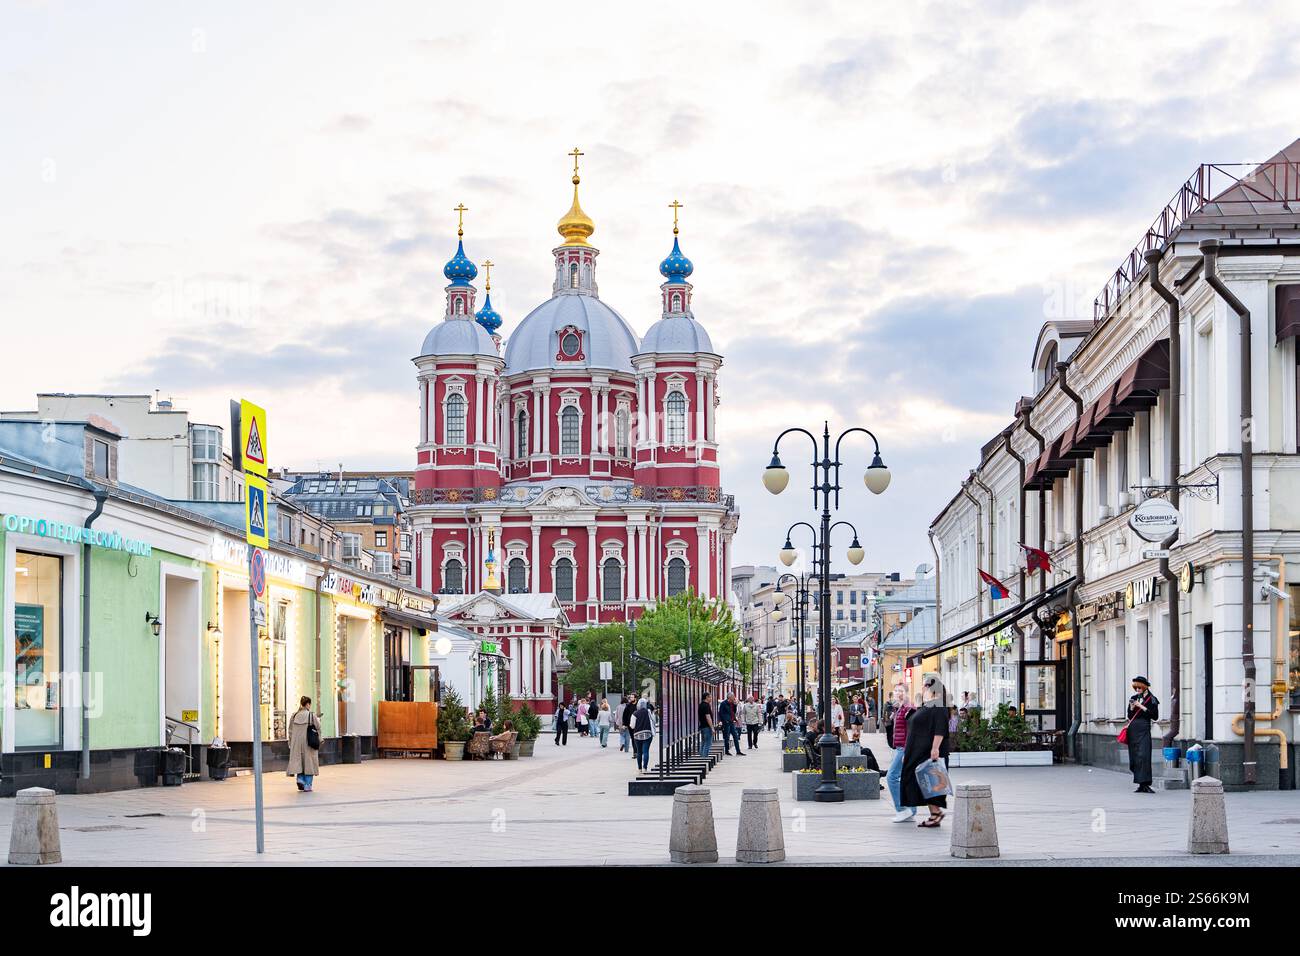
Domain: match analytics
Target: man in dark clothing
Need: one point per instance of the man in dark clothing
(706, 726)
(629, 711)
(561, 725)
(810, 744)
(1143, 708)
(726, 717)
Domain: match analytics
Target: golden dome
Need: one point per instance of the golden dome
(575, 225)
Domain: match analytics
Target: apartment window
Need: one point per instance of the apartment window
(351, 546)
(455, 430)
(383, 562)
(206, 481)
(1122, 481)
(612, 581)
(406, 569)
(1143, 426)
(38, 650)
(517, 577)
(205, 455)
(676, 576)
(839, 597)
(1103, 478)
(570, 431)
(853, 597)
(406, 542)
(453, 577)
(381, 539)
(100, 459)
(564, 580)
(675, 406)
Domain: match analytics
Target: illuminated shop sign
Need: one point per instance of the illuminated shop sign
(373, 594)
(76, 534)
(235, 554)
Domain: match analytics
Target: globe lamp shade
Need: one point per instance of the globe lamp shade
(788, 553)
(877, 476)
(443, 646)
(777, 614)
(855, 553)
(775, 477)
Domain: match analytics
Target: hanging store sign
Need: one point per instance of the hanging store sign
(1140, 592)
(1186, 578)
(1064, 631)
(76, 534)
(1110, 606)
(489, 647)
(1154, 520)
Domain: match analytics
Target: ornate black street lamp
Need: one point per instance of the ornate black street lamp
(826, 482)
(799, 601)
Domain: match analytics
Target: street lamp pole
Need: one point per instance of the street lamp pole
(826, 482)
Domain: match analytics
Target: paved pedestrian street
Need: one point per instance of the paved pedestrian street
(569, 805)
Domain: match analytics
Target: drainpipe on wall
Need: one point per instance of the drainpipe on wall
(1175, 469)
(938, 595)
(1042, 519)
(1209, 252)
(979, 540)
(100, 497)
(1073, 595)
(1010, 450)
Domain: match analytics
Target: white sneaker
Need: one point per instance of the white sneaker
(902, 816)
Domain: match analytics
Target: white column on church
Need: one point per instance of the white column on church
(536, 445)
(643, 561)
(711, 410)
(702, 562)
(595, 420)
(528, 673)
(426, 558)
(593, 595)
(535, 560)
(546, 419)
(545, 689)
(516, 667)
(424, 412)
(433, 409)
(632, 563)
(699, 409)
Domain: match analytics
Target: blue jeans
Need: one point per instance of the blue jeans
(706, 741)
(730, 732)
(642, 751)
(305, 779)
(894, 780)
(604, 734)
(625, 736)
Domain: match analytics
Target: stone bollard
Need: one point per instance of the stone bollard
(693, 839)
(974, 826)
(760, 838)
(34, 837)
(1208, 830)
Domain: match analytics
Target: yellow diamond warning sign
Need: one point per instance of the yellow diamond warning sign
(252, 437)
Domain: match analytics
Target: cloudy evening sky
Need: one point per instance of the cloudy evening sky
(882, 202)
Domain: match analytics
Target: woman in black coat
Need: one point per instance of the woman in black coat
(1143, 708)
(927, 739)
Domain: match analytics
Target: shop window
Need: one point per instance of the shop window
(564, 580)
(38, 650)
(274, 673)
(517, 577)
(611, 581)
(676, 576)
(1293, 668)
(453, 577)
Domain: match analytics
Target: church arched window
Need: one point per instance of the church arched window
(677, 302)
(458, 307)
(517, 577)
(521, 434)
(676, 576)
(611, 591)
(455, 424)
(573, 275)
(623, 433)
(453, 577)
(564, 580)
(570, 432)
(676, 418)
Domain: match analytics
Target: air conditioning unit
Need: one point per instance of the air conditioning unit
(1104, 512)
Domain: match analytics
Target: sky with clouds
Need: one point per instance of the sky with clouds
(882, 201)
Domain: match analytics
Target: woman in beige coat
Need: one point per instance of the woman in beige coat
(304, 760)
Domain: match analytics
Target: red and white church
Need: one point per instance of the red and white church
(572, 477)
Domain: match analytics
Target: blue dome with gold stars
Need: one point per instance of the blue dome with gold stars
(676, 267)
(487, 316)
(460, 270)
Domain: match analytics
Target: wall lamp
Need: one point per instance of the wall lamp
(155, 622)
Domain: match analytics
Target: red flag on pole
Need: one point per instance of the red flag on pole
(1036, 559)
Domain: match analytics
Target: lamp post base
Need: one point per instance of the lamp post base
(829, 790)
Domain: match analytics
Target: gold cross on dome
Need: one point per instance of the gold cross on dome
(575, 154)
(674, 206)
(487, 274)
(460, 211)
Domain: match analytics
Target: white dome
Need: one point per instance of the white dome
(458, 336)
(608, 341)
(677, 333)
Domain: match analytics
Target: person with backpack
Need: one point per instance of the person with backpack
(304, 745)
(625, 724)
(642, 734)
(580, 715)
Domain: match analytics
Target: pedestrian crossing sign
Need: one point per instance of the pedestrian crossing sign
(252, 437)
(255, 524)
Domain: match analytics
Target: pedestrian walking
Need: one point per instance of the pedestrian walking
(625, 723)
(580, 715)
(642, 733)
(706, 725)
(729, 717)
(856, 709)
(561, 725)
(927, 739)
(752, 714)
(304, 745)
(837, 717)
(604, 720)
(593, 712)
(896, 737)
(1143, 708)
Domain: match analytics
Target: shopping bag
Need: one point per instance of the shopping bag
(932, 778)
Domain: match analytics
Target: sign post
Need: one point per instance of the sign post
(249, 432)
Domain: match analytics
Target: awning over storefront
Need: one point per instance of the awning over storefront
(1048, 467)
(407, 619)
(1140, 383)
(994, 623)
(1287, 320)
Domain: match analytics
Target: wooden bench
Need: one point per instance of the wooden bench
(479, 746)
(503, 745)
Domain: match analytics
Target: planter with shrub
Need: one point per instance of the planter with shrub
(453, 724)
